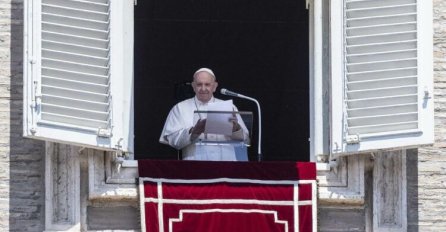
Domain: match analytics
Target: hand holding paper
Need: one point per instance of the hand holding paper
(235, 125)
(199, 127)
(220, 123)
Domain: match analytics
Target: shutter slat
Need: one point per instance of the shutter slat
(75, 112)
(76, 76)
(382, 83)
(381, 65)
(376, 3)
(381, 29)
(382, 119)
(75, 94)
(381, 92)
(75, 40)
(382, 74)
(78, 5)
(49, 118)
(70, 84)
(76, 31)
(381, 56)
(75, 22)
(381, 38)
(69, 102)
(71, 66)
(366, 11)
(381, 47)
(382, 110)
(74, 49)
(69, 12)
(98, 1)
(370, 21)
(383, 128)
(381, 101)
(76, 58)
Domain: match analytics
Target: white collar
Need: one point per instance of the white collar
(200, 103)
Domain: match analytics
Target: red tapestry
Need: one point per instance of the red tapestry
(202, 196)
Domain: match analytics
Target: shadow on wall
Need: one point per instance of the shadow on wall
(412, 190)
(26, 156)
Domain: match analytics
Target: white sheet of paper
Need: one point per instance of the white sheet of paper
(218, 123)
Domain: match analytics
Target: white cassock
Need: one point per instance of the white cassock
(176, 134)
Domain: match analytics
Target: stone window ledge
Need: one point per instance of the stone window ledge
(112, 179)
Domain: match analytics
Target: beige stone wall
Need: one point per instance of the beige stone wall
(429, 190)
(21, 160)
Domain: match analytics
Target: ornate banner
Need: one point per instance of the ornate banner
(205, 196)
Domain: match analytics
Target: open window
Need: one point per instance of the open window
(78, 71)
(258, 48)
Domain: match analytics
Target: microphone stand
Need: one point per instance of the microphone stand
(259, 151)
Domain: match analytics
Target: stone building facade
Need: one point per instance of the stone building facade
(54, 187)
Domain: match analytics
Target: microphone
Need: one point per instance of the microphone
(230, 93)
(234, 94)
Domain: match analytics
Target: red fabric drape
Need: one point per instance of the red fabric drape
(227, 196)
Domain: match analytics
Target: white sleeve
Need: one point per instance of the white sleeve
(175, 132)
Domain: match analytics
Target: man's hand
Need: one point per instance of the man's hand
(197, 129)
(235, 125)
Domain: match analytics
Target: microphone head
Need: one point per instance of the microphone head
(230, 93)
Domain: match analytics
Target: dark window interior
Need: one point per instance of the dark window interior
(255, 47)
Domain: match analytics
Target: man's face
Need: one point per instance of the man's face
(204, 86)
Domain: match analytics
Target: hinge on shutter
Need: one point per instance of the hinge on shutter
(103, 132)
(37, 97)
(36, 101)
(307, 4)
(119, 144)
(352, 139)
(426, 93)
(135, 2)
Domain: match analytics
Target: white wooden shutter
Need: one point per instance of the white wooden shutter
(77, 80)
(381, 74)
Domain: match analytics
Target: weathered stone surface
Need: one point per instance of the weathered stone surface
(341, 219)
(429, 189)
(21, 160)
(113, 218)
